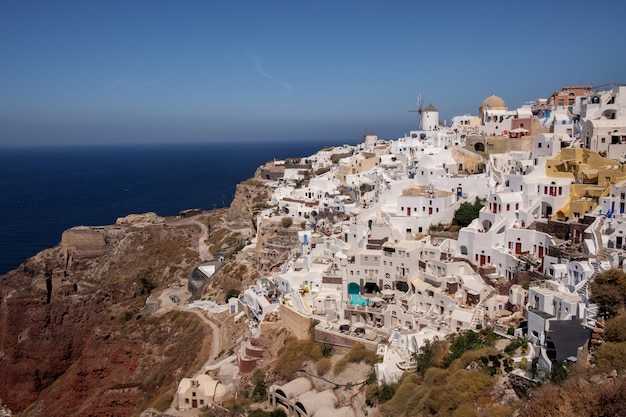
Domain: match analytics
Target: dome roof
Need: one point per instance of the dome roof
(494, 102)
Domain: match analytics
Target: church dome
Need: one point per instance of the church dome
(494, 102)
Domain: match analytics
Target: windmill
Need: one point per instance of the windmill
(418, 111)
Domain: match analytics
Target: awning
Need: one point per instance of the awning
(520, 130)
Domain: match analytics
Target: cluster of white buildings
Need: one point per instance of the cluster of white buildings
(368, 269)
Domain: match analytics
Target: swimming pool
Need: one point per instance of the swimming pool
(358, 299)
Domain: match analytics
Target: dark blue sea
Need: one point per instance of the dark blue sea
(46, 190)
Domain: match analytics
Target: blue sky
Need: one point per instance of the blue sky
(153, 71)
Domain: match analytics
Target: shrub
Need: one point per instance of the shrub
(611, 356)
(286, 222)
(358, 353)
(608, 290)
(513, 345)
(146, 285)
(615, 329)
(466, 213)
(523, 363)
(340, 366)
(378, 394)
(232, 293)
(323, 366)
(294, 353)
(468, 340)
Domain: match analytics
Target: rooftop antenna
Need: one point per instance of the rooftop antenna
(418, 111)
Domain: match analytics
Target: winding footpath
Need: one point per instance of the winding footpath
(203, 249)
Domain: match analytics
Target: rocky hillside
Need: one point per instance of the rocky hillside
(73, 339)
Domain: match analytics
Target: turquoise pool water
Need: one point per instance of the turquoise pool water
(358, 299)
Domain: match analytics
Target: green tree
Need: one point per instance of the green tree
(430, 354)
(466, 213)
(558, 374)
(466, 341)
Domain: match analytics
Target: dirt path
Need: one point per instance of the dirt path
(168, 305)
(181, 293)
(203, 249)
(215, 340)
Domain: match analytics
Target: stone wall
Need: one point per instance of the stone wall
(295, 322)
(83, 242)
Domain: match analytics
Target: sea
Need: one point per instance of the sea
(48, 189)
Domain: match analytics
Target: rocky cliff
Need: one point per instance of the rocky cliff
(72, 339)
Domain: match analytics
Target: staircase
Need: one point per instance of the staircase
(479, 310)
(591, 316)
(591, 312)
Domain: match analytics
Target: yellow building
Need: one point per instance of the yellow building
(592, 176)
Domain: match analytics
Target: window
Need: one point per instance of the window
(539, 145)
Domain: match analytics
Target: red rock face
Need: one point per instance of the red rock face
(39, 343)
(89, 351)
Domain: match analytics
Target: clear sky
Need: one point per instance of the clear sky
(146, 71)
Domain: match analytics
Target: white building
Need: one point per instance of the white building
(603, 118)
